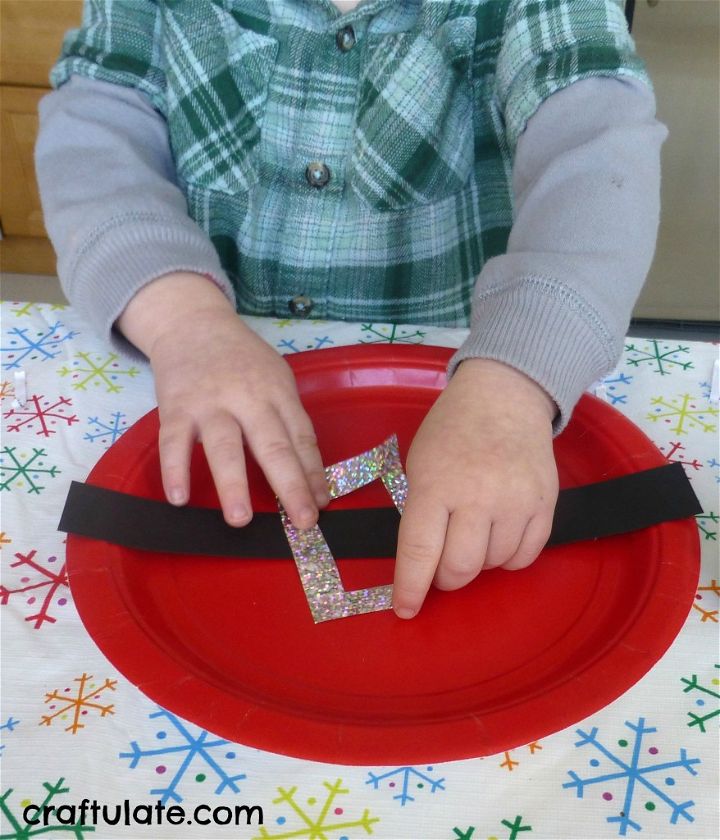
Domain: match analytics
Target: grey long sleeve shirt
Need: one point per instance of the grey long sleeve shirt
(556, 305)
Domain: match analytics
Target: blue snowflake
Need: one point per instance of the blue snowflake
(107, 432)
(10, 726)
(406, 773)
(287, 345)
(191, 747)
(612, 385)
(43, 346)
(714, 464)
(633, 775)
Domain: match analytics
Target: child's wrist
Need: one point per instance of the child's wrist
(505, 379)
(166, 303)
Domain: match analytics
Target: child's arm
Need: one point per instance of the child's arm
(218, 382)
(481, 474)
(130, 256)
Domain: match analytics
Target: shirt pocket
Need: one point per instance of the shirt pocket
(414, 126)
(218, 76)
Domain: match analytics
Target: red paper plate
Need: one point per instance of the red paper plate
(230, 644)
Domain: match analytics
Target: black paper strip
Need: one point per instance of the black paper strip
(616, 506)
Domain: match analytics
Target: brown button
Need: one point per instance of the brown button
(300, 305)
(317, 174)
(345, 39)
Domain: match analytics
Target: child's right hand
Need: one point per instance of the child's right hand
(218, 382)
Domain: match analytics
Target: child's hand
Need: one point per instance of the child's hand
(482, 482)
(218, 382)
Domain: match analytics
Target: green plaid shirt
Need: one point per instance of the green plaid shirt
(412, 108)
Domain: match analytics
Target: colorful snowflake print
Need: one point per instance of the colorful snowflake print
(27, 308)
(79, 705)
(674, 449)
(510, 764)
(703, 594)
(39, 415)
(660, 355)
(41, 584)
(390, 334)
(625, 768)
(22, 346)
(198, 751)
(688, 413)
(316, 343)
(23, 470)
(693, 684)
(21, 830)
(323, 820)
(707, 523)
(107, 431)
(99, 370)
(9, 726)
(410, 778)
(610, 388)
(514, 827)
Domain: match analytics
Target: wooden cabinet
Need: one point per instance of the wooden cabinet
(677, 38)
(31, 33)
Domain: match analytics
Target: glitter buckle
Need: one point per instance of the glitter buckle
(327, 597)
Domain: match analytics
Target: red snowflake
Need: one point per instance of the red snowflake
(49, 581)
(44, 413)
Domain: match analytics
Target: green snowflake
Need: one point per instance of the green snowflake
(316, 828)
(22, 830)
(661, 358)
(706, 529)
(98, 371)
(686, 411)
(14, 471)
(515, 827)
(390, 334)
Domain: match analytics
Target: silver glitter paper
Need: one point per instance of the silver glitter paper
(318, 570)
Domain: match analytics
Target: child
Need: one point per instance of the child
(375, 160)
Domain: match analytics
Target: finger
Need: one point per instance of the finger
(505, 537)
(536, 535)
(270, 442)
(420, 542)
(464, 552)
(223, 444)
(302, 435)
(175, 442)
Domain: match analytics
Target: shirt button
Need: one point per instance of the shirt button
(317, 174)
(300, 305)
(345, 39)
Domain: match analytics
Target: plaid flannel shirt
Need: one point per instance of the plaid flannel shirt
(412, 108)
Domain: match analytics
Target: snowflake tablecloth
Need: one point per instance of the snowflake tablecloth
(72, 728)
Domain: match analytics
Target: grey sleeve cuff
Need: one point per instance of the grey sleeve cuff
(586, 185)
(114, 213)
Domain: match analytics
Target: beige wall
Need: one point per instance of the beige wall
(680, 41)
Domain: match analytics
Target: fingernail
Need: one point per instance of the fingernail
(322, 497)
(405, 612)
(308, 517)
(177, 496)
(239, 515)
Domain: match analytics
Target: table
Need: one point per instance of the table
(73, 729)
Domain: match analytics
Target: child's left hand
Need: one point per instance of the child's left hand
(482, 482)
